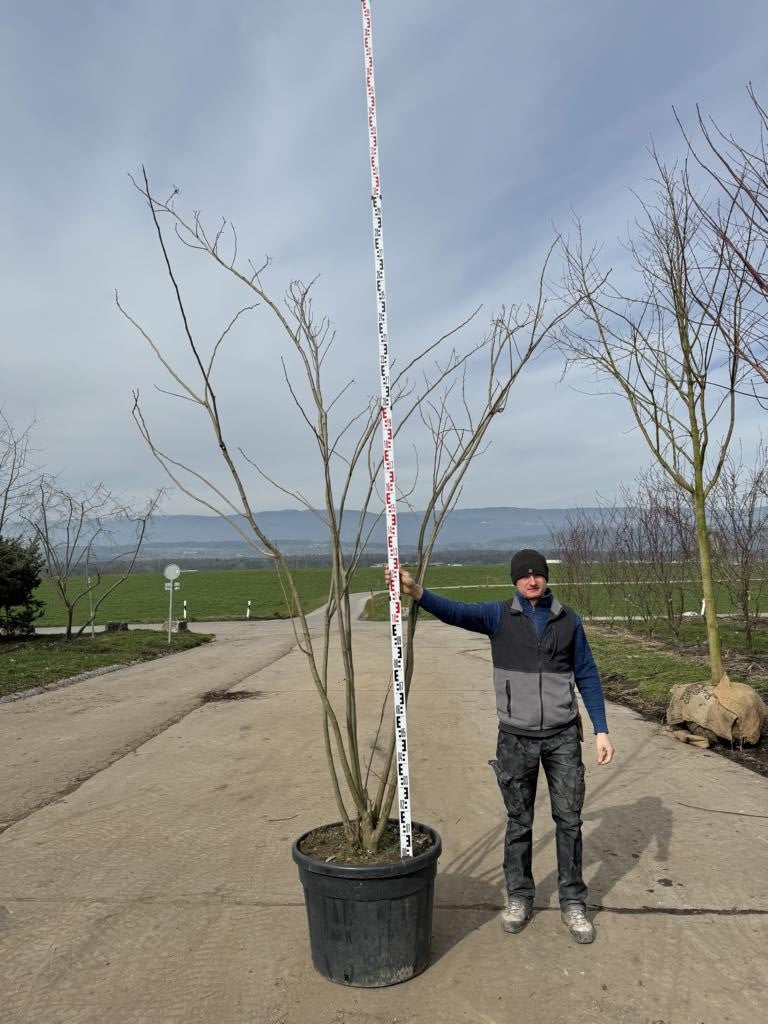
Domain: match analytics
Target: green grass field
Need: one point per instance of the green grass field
(35, 661)
(598, 601)
(650, 670)
(693, 633)
(210, 595)
(223, 594)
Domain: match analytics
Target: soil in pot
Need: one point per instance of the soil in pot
(330, 844)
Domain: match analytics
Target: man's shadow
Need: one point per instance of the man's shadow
(623, 834)
(468, 891)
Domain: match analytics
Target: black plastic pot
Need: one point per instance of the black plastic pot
(370, 926)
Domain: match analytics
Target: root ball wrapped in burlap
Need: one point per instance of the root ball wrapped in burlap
(701, 714)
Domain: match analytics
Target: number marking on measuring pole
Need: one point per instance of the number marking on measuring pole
(393, 558)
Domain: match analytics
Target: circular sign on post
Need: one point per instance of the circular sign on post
(171, 572)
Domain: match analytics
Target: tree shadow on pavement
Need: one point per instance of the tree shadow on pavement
(623, 833)
(469, 891)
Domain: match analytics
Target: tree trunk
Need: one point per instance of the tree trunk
(707, 586)
(748, 642)
(369, 835)
(747, 619)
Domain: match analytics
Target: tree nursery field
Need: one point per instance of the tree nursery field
(223, 594)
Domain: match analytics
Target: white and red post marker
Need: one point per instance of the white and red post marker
(393, 559)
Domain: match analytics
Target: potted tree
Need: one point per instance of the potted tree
(386, 896)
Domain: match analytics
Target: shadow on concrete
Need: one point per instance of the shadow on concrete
(623, 833)
(469, 891)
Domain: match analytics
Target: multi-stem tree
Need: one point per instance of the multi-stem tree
(670, 346)
(434, 386)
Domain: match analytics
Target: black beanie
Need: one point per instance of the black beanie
(528, 561)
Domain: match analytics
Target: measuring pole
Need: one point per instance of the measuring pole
(393, 559)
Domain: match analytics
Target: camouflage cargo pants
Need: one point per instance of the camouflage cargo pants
(517, 770)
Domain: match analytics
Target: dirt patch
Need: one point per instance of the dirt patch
(621, 691)
(215, 695)
(330, 844)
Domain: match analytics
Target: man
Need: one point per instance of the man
(540, 654)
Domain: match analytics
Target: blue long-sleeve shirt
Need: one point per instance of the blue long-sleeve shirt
(485, 617)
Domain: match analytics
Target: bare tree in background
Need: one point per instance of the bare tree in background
(672, 349)
(631, 559)
(17, 473)
(738, 219)
(70, 528)
(344, 431)
(613, 569)
(631, 552)
(739, 518)
(658, 528)
(615, 538)
(580, 545)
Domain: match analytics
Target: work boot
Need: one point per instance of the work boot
(578, 924)
(515, 915)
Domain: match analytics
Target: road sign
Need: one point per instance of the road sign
(171, 573)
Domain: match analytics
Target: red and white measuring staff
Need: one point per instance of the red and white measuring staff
(395, 616)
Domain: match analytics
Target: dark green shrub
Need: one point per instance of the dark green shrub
(20, 568)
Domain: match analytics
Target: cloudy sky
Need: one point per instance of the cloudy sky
(496, 121)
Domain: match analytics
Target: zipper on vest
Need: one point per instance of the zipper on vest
(509, 700)
(538, 662)
(541, 683)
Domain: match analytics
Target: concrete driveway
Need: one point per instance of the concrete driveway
(146, 878)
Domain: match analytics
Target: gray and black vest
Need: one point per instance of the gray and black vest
(533, 676)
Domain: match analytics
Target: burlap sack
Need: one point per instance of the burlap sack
(748, 707)
(695, 705)
(686, 737)
(730, 712)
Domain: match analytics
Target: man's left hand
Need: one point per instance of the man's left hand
(604, 748)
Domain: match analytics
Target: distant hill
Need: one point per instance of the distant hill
(301, 532)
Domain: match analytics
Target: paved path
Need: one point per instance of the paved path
(160, 889)
(51, 743)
